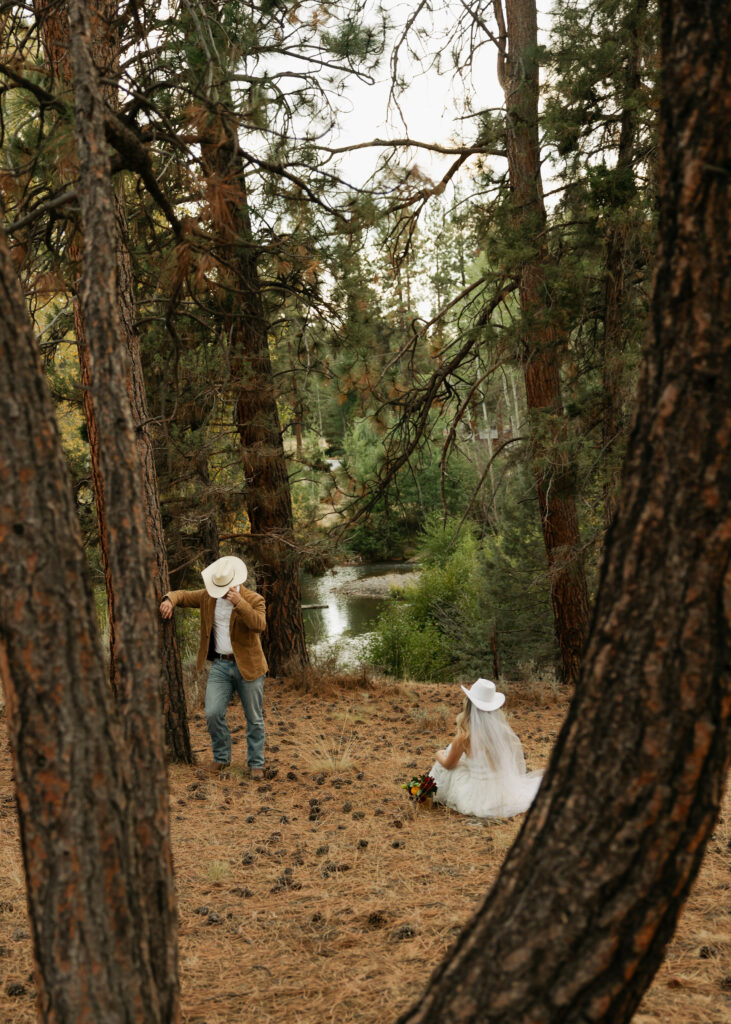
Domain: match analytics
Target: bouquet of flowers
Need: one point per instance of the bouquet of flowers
(420, 787)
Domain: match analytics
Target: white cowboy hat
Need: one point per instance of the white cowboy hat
(484, 695)
(222, 574)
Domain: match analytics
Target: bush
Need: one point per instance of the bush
(424, 637)
(472, 592)
(385, 537)
(518, 587)
(406, 648)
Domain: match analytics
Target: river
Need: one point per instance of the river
(341, 627)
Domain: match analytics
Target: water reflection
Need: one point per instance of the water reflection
(346, 620)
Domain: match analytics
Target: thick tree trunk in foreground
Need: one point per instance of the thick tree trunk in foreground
(75, 791)
(53, 23)
(589, 896)
(518, 73)
(139, 679)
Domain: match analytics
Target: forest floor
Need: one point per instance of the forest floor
(322, 894)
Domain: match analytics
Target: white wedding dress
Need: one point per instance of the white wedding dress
(492, 781)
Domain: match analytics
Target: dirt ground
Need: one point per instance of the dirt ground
(322, 894)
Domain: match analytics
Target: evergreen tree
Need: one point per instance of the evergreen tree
(53, 23)
(577, 923)
(599, 123)
(92, 804)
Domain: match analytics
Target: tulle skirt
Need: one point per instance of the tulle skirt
(471, 788)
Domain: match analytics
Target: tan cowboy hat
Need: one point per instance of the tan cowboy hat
(484, 695)
(222, 574)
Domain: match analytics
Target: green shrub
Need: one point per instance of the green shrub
(472, 593)
(408, 649)
(422, 636)
(518, 586)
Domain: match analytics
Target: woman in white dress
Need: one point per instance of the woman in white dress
(482, 771)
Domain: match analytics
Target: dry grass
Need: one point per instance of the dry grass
(323, 895)
(434, 718)
(335, 752)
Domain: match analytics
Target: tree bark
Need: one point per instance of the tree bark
(76, 791)
(177, 734)
(555, 478)
(615, 286)
(53, 22)
(268, 497)
(139, 674)
(590, 894)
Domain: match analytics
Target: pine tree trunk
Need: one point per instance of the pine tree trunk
(555, 478)
(138, 667)
(177, 735)
(589, 896)
(53, 22)
(268, 498)
(76, 790)
(615, 288)
(556, 501)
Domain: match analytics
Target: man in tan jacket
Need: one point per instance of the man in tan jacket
(232, 621)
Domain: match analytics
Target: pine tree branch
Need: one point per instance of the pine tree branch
(499, 42)
(480, 482)
(432, 146)
(410, 21)
(121, 137)
(419, 404)
(136, 157)
(46, 98)
(281, 170)
(320, 62)
(38, 211)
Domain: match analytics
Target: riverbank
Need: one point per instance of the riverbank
(377, 586)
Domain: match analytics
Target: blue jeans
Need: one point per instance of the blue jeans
(223, 680)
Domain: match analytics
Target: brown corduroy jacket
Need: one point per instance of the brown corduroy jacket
(248, 621)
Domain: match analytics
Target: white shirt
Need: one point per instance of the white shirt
(222, 625)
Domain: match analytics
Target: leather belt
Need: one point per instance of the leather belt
(223, 657)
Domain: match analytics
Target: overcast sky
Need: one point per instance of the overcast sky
(431, 105)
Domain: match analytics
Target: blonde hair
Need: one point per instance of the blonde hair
(464, 733)
(463, 723)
